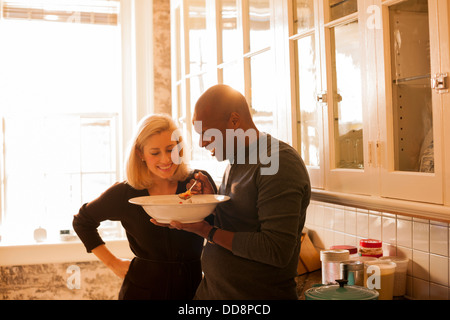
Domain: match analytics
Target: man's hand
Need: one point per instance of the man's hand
(222, 237)
(203, 185)
(201, 228)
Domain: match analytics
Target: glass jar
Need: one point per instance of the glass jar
(400, 274)
(380, 275)
(352, 250)
(331, 264)
(370, 248)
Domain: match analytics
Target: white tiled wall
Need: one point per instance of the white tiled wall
(424, 242)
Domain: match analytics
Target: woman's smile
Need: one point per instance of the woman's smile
(165, 168)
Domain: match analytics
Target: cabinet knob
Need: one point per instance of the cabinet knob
(322, 97)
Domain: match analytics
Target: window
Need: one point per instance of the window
(229, 42)
(60, 109)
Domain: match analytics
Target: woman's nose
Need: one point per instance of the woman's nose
(165, 157)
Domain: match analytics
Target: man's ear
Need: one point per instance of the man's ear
(235, 120)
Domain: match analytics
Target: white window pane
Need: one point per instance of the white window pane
(230, 35)
(97, 154)
(198, 53)
(262, 93)
(62, 67)
(259, 11)
(303, 15)
(233, 75)
(45, 183)
(62, 199)
(93, 184)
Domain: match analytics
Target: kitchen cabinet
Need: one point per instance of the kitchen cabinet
(413, 48)
(359, 87)
(370, 96)
(331, 118)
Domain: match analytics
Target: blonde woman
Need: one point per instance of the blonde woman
(167, 261)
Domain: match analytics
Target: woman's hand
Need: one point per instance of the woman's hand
(120, 267)
(117, 265)
(203, 185)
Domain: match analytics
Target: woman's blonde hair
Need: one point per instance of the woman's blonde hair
(137, 173)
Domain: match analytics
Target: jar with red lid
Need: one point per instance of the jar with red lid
(370, 248)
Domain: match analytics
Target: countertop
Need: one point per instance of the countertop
(306, 281)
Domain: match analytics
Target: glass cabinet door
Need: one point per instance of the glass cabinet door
(413, 147)
(411, 86)
(347, 99)
(345, 54)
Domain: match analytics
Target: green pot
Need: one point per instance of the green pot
(340, 292)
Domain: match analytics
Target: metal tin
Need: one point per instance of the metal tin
(353, 272)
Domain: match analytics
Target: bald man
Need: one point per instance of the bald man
(253, 247)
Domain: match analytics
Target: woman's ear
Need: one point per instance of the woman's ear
(139, 153)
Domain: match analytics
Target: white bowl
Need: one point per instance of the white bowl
(171, 208)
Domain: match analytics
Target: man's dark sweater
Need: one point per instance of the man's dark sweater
(267, 214)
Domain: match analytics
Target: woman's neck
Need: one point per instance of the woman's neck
(162, 187)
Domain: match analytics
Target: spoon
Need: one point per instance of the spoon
(186, 195)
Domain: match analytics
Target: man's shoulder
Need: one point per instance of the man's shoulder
(282, 149)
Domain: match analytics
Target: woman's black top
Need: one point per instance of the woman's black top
(161, 253)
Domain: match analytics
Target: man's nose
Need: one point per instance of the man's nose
(205, 142)
(202, 143)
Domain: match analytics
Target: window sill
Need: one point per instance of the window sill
(56, 252)
(401, 207)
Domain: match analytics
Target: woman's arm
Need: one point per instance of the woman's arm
(108, 206)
